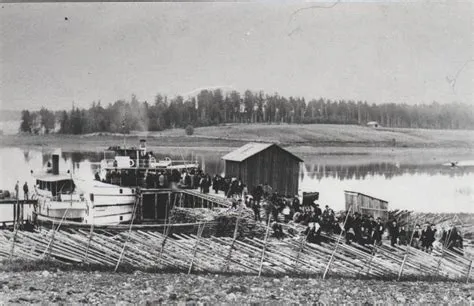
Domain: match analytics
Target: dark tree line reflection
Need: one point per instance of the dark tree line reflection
(213, 164)
(387, 170)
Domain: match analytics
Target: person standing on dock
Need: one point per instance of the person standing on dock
(25, 191)
(394, 232)
(17, 190)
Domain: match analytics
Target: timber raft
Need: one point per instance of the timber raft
(167, 249)
(157, 245)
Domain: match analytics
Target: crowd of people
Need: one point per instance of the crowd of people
(270, 206)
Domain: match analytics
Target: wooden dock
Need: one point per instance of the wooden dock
(154, 204)
(18, 210)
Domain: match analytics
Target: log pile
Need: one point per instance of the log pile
(191, 252)
(220, 221)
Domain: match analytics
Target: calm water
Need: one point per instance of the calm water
(427, 188)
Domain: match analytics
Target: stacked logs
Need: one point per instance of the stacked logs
(221, 222)
(191, 252)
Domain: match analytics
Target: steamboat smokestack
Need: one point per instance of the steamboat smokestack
(55, 164)
(143, 146)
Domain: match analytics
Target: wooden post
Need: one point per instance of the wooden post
(86, 256)
(140, 199)
(199, 234)
(128, 237)
(264, 247)
(374, 251)
(300, 250)
(226, 264)
(15, 227)
(406, 252)
(337, 243)
(445, 245)
(166, 231)
(156, 206)
(49, 248)
(469, 272)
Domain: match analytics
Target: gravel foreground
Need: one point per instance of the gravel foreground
(179, 288)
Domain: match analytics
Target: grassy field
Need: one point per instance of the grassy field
(321, 142)
(308, 135)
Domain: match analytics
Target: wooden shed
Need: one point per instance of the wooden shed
(366, 205)
(260, 163)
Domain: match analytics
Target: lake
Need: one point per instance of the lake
(416, 186)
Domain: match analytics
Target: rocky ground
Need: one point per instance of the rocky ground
(56, 286)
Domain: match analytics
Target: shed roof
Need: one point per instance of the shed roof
(365, 195)
(251, 149)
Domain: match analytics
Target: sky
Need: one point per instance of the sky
(57, 54)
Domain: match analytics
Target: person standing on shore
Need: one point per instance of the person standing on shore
(17, 189)
(25, 191)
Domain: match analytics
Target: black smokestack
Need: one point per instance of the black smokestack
(55, 164)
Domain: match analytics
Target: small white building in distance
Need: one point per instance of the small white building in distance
(373, 124)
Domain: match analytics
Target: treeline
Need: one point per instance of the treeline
(215, 107)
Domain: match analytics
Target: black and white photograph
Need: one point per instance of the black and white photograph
(226, 152)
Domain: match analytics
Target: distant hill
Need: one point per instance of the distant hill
(10, 115)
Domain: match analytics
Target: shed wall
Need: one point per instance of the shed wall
(273, 165)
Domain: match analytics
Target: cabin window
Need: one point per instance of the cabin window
(121, 191)
(133, 190)
(121, 218)
(92, 197)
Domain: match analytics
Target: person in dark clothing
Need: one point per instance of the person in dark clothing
(424, 238)
(416, 236)
(370, 225)
(277, 230)
(317, 211)
(256, 209)
(430, 238)
(257, 194)
(454, 241)
(378, 232)
(296, 204)
(215, 184)
(394, 232)
(313, 233)
(274, 211)
(402, 236)
(187, 181)
(357, 226)
(25, 191)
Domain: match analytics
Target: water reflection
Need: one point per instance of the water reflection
(405, 186)
(387, 170)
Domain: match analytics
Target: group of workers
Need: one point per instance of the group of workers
(366, 230)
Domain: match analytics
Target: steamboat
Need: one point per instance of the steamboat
(60, 196)
(137, 167)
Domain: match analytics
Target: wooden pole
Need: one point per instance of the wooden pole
(86, 255)
(300, 250)
(226, 264)
(445, 245)
(264, 247)
(374, 250)
(15, 227)
(406, 252)
(337, 243)
(49, 248)
(166, 233)
(469, 272)
(128, 237)
(199, 234)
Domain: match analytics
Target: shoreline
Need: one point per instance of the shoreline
(310, 152)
